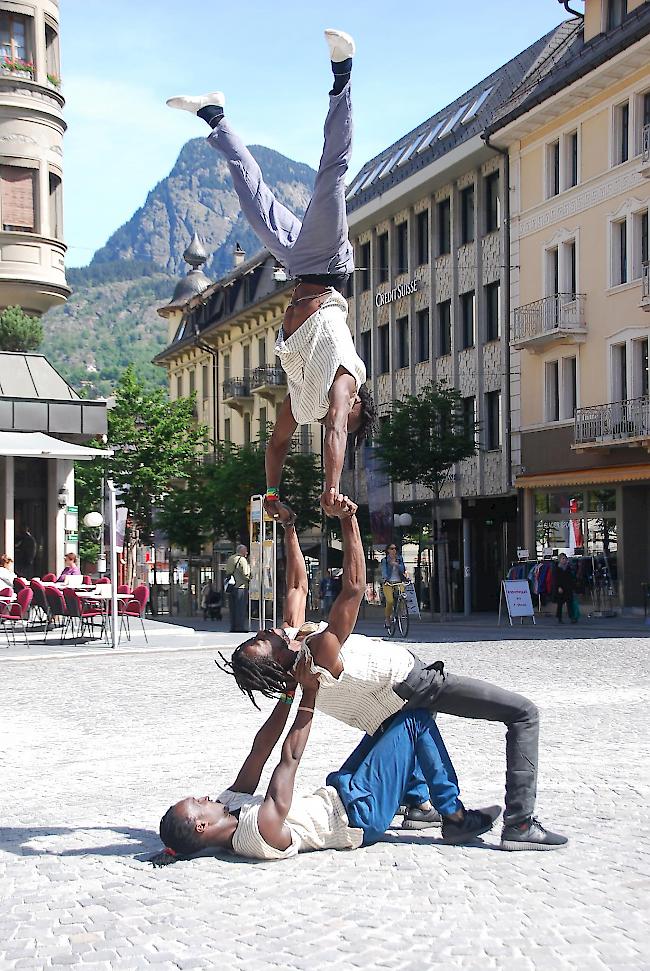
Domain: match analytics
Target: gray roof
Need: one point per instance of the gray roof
(460, 121)
(32, 376)
(571, 60)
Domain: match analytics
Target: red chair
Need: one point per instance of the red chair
(40, 601)
(49, 578)
(103, 580)
(124, 588)
(134, 608)
(20, 584)
(87, 580)
(57, 608)
(83, 611)
(6, 592)
(16, 613)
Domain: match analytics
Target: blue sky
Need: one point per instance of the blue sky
(121, 59)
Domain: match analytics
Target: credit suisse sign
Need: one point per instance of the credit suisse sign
(403, 290)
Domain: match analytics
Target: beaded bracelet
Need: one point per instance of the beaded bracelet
(287, 698)
(272, 493)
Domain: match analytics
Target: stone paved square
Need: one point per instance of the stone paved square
(95, 748)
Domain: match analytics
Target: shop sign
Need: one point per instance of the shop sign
(403, 290)
(518, 599)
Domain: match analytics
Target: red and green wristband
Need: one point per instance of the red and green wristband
(272, 494)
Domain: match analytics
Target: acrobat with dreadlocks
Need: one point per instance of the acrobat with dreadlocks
(325, 375)
(406, 763)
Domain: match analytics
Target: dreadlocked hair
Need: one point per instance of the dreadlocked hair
(251, 674)
(179, 836)
(368, 418)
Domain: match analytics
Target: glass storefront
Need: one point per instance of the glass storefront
(576, 522)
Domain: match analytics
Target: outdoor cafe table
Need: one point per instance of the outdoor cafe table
(101, 596)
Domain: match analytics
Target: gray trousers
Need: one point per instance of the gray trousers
(238, 602)
(320, 243)
(432, 688)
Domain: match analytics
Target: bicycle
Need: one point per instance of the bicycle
(399, 619)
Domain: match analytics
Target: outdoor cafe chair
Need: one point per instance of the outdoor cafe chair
(16, 613)
(40, 602)
(49, 578)
(20, 584)
(82, 611)
(134, 608)
(103, 580)
(124, 588)
(57, 608)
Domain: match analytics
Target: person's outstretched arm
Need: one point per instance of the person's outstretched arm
(265, 741)
(341, 397)
(297, 586)
(276, 805)
(277, 450)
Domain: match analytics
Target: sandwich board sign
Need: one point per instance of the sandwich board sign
(518, 600)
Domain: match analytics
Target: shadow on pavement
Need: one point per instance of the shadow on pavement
(16, 840)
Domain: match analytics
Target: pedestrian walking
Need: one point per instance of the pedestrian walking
(238, 573)
(565, 585)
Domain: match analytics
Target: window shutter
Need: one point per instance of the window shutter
(17, 198)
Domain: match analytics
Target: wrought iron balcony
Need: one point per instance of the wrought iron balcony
(645, 287)
(270, 382)
(617, 423)
(558, 317)
(236, 391)
(645, 151)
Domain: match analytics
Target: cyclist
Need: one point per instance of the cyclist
(393, 574)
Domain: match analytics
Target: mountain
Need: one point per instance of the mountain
(110, 320)
(197, 196)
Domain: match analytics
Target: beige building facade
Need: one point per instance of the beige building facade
(578, 144)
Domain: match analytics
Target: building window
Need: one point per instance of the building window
(492, 202)
(247, 362)
(364, 259)
(402, 342)
(226, 429)
(18, 199)
(569, 387)
(384, 349)
(444, 327)
(492, 311)
(247, 429)
(552, 271)
(642, 116)
(469, 417)
(467, 315)
(192, 381)
(52, 52)
(640, 248)
(382, 257)
(619, 252)
(571, 176)
(619, 372)
(263, 425)
(402, 233)
(56, 206)
(569, 253)
(15, 43)
(205, 381)
(493, 420)
(422, 320)
(467, 215)
(553, 168)
(444, 227)
(640, 366)
(422, 230)
(179, 385)
(552, 391)
(226, 367)
(616, 13)
(366, 351)
(621, 133)
(261, 351)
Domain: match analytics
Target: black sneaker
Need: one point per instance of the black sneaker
(474, 823)
(530, 835)
(415, 818)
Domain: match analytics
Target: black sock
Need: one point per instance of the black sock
(341, 71)
(212, 114)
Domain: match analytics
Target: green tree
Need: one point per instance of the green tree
(19, 331)
(419, 443)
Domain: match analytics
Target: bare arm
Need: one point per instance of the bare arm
(276, 805)
(325, 647)
(265, 741)
(296, 598)
(341, 396)
(278, 447)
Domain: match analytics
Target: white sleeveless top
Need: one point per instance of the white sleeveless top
(362, 696)
(317, 822)
(312, 355)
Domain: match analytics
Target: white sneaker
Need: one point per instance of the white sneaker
(194, 103)
(341, 45)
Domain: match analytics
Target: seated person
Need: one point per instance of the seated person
(71, 568)
(7, 574)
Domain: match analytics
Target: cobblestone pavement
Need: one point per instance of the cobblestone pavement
(95, 748)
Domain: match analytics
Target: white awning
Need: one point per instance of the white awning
(37, 445)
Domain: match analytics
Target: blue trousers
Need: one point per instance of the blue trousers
(376, 778)
(319, 244)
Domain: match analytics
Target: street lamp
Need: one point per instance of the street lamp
(95, 520)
